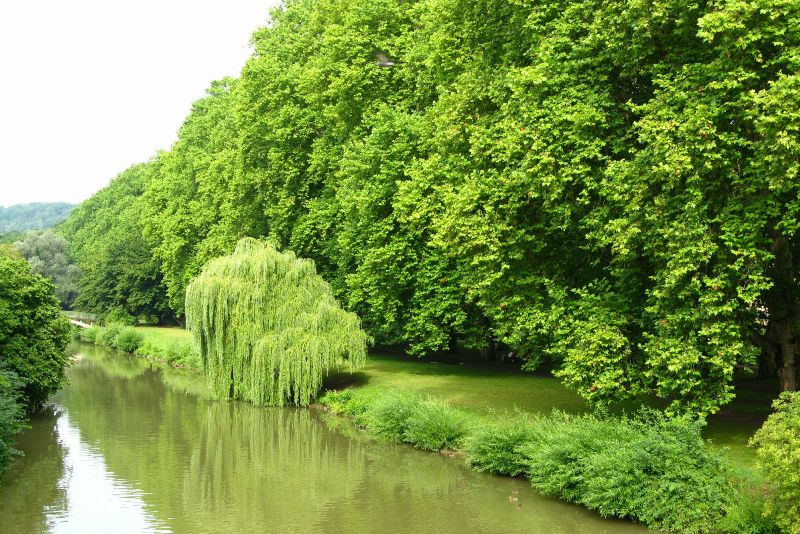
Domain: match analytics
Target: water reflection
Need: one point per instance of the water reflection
(94, 496)
(30, 491)
(146, 448)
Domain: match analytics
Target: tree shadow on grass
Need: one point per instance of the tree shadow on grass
(344, 379)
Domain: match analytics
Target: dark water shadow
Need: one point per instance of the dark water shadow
(33, 484)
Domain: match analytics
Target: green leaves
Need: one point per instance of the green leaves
(268, 326)
(118, 268)
(612, 186)
(777, 446)
(33, 332)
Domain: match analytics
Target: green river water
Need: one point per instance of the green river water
(130, 447)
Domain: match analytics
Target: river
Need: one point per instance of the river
(128, 446)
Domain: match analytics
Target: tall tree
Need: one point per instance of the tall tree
(268, 326)
(49, 255)
(118, 270)
(33, 332)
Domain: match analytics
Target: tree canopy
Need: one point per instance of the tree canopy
(610, 186)
(119, 272)
(33, 216)
(49, 255)
(33, 332)
(268, 327)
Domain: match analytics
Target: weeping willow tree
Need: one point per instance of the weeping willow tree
(268, 326)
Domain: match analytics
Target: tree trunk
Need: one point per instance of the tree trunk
(768, 360)
(783, 319)
(787, 372)
(452, 343)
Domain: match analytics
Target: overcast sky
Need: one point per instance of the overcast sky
(89, 87)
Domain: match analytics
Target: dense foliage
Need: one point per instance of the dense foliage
(777, 445)
(33, 340)
(500, 447)
(610, 185)
(655, 470)
(33, 332)
(119, 274)
(12, 416)
(268, 327)
(11, 237)
(49, 255)
(34, 216)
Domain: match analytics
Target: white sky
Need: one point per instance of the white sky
(89, 87)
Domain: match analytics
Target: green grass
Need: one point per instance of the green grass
(486, 388)
(164, 334)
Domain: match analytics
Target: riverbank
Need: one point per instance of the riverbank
(478, 394)
(147, 441)
(487, 388)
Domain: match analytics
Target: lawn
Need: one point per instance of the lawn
(484, 388)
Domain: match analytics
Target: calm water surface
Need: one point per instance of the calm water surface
(127, 447)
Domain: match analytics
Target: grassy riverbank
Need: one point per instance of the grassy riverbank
(484, 389)
(501, 419)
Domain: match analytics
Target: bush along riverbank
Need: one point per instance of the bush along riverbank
(176, 352)
(645, 467)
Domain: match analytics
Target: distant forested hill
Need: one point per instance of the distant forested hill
(34, 216)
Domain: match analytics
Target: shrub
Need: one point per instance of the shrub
(120, 316)
(387, 414)
(497, 448)
(150, 348)
(89, 335)
(107, 336)
(401, 416)
(347, 402)
(128, 339)
(665, 477)
(434, 425)
(560, 447)
(745, 512)
(183, 353)
(777, 445)
(649, 468)
(191, 357)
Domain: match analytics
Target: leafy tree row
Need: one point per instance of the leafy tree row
(610, 185)
(33, 216)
